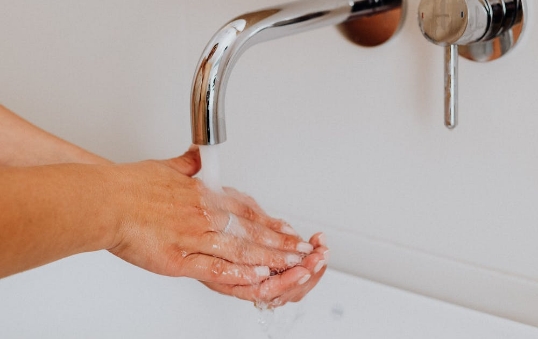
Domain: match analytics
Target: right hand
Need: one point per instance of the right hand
(291, 285)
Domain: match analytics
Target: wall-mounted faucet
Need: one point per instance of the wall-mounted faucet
(479, 30)
(224, 49)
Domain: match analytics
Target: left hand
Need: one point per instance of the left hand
(289, 286)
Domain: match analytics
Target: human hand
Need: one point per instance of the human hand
(289, 286)
(292, 284)
(171, 224)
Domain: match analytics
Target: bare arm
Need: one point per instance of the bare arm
(152, 214)
(51, 212)
(23, 144)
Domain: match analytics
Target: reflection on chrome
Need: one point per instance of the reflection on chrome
(479, 30)
(224, 49)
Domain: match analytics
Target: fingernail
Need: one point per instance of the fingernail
(305, 247)
(319, 266)
(262, 271)
(322, 239)
(293, 259)
(287, 229)
(193, 148)
(327, 255)
(304, 279)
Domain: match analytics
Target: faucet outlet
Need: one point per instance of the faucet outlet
(227, 45)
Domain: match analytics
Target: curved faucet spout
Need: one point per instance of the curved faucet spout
(224, 49)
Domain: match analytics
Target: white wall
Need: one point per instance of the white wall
(319, 130)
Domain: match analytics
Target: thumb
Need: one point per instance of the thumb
(188, 164)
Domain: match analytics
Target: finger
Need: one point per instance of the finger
(212, 269)
(244, 198)
(317, 265)
(319, 242)
(254, 232)
(243, 252)
(188, 164)
(314, 261)
(318, 239)
(278, 240)
(269, 289)
(246, 207)
(298, 294)
(306, 288)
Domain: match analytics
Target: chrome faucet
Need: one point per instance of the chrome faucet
(479, 30)
(227, 45)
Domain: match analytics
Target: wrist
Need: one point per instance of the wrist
(52, 212)
(108, 211)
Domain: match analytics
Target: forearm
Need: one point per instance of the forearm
(153, 214)
(51, 212)
(23, 144)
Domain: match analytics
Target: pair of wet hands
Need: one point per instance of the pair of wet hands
(293, 266)
(173, 225)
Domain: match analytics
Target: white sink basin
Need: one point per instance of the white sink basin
(89, 297)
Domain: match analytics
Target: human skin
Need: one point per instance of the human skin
(57, 200)
(24, 144)
(285, 287)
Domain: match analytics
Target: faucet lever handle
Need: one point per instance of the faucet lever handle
(479, 30)
(451, 86)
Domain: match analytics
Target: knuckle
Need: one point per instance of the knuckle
(249, 200)
(217, 267)
(275, 224)
(277, 302)
(176, 262)
(248, 213)
(260, 294)
(185, 261)
(265, 295)
(192, 164)
(199, 212)
(289, 243)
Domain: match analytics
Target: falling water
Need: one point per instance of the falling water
(275, 323)
(210, 173)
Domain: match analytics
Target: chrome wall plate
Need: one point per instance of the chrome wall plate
(499, 45)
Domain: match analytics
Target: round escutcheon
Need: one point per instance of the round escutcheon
(375, 29)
